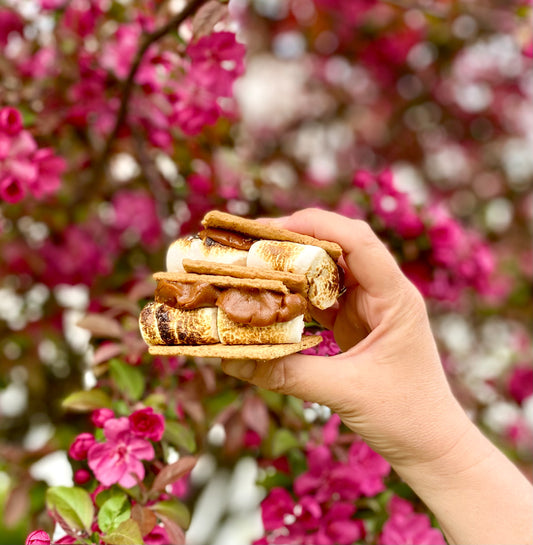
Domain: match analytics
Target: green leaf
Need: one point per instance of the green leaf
(129, 380)
(127, 533)
(175, 510)
(114, 511)
(86, 400)
(282, 441)
(158, 402)
(72, 504)
(179, 436)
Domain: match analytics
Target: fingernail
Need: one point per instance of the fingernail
(243, 369)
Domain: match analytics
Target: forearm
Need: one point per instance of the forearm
(477, 494)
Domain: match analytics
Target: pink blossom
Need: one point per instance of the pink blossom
(135, 212)
(66, 540)
(38, 537)
(180, 487)
(369, 468)
(194, 107)
(158, 536)
(50, 167)
(41, 64)
(81, 445)
(11, 190)
(75, 257)
(10, 121)
(406, 526)
(274, 508)
(520, 383)
(338, 528)
(82, 476)
(217, 60)
(147, 424)
(118, 460)
(328, 346)
(23, 166)
(10, 23)
(330, 430)
(100, 416)
(117, 55)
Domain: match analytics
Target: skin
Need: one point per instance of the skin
(389, 387)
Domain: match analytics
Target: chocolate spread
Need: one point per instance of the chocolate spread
(227, 238)
(260, 307)
(185, 295)
(246, 306)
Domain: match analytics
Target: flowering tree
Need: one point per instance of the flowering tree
(122, 123)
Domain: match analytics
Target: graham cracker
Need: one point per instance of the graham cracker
(295, 282)
(237, 351)
(224, 281)
(259, 230)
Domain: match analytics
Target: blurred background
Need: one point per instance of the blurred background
(415, 116)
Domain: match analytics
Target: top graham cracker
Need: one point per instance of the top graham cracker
(259, 230)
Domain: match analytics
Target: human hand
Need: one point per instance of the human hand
(388, 385)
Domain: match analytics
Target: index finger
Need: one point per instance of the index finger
(367, 258)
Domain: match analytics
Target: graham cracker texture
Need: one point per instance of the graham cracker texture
(223, 281)
(259, 230)
(295, 282)
(237, 351)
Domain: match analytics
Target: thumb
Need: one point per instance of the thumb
(311, 378)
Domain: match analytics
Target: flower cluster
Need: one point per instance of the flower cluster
(24, 167)
(404, 525)
(448, 257)
(119, 458)
(176, 91)
(216, 61)
(324, 506)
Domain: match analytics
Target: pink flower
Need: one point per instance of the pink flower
(328, 346)
(147, 424)
(50, 168)
(100, 416)
(406, 526)
(274, 507)
(158, 536)
(11, 190)
(136, 213)
(194, 107)
(337, 526)
(117, 55)
(10, 121)
(369, 468)
(23, 166)
(119, 459)
(81, 445)
(330, 430)
(520, 384)
(217, 61)
(82, 476)
(10, 23)
(38, 537)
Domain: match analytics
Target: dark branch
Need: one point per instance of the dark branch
(190, 9)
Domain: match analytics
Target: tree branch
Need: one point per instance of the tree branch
(98, 170)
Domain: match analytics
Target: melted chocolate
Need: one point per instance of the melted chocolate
(227, 238)
(187, 296)
(260, 307)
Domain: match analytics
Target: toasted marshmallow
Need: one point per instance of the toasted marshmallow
(312, 261)
(231, 332)
(195, 248)
(164, 325)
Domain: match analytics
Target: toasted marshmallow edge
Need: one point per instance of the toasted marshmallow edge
(194, 248)
(163, 325)
(231, 332)
(312, 261)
